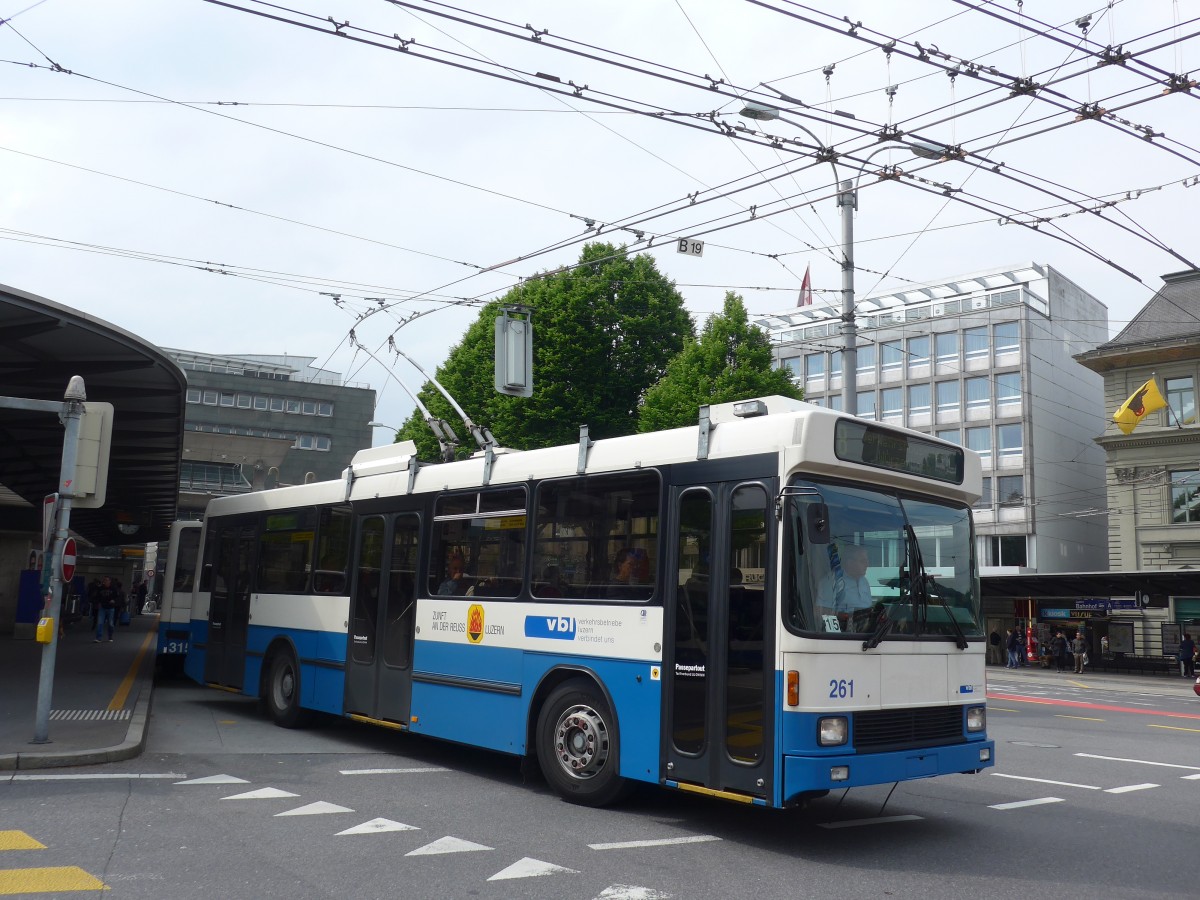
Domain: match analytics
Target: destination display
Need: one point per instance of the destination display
(883, 448)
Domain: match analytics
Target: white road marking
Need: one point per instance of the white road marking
(319, 808)
(659, 842)
(215, 779)
(877, 820)
(1190, 777)
(134, 776)
(1144, 762)
(392, 771)
(531, 868)
(378, 826)
(448, 845)
(1130, 787)
(261, 794)
(1021, 803)
(631, 892)
(1086, 787)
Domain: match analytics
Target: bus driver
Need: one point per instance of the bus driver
(842, 593)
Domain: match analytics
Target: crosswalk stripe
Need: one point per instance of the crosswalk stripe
(215, 779)
(1022, 803)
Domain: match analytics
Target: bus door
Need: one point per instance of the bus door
(382, 614)
(234, 543)
(720, 672)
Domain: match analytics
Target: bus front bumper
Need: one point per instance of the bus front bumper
(803, 774)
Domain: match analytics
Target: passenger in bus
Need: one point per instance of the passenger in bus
(456, 583)
(631, 568)
(843, 593)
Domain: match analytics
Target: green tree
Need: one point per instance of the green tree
(604, 331)
(730, 361)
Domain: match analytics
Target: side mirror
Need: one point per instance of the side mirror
(816, 516)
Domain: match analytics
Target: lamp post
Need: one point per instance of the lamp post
(847, 201)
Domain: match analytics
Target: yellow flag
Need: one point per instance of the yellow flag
(1144, 401)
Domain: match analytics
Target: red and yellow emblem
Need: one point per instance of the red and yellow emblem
(475, 623)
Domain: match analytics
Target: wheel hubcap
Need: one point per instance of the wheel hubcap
(284, 687)
(581, 742)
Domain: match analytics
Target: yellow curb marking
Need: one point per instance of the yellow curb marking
(19, 840)
(47, 881)
(122, 694)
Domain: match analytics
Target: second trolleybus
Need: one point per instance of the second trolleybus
(778, 601)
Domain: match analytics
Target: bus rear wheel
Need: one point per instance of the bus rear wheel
(577, 746)
(283, 691)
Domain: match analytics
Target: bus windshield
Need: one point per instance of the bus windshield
(868, 561)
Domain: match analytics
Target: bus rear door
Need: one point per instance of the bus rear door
(234, 549)
(382, 614)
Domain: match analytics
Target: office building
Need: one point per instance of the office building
(987, 361)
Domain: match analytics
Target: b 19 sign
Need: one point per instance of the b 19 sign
(690, 247)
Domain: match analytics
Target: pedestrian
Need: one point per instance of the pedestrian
(1013, 644)
(995, 651)
(1058, 649)
(106, 600)
(1187, 656)
(140, 593)
(1079, 651)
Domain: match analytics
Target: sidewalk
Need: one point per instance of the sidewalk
(100, 703)
(1169, 685)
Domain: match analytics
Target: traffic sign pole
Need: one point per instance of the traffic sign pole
(72, 412)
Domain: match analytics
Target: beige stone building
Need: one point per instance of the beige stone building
(1153, 473)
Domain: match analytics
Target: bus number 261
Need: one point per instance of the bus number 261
(840, 688)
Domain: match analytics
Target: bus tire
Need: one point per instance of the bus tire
(577, 745)
(283, 691)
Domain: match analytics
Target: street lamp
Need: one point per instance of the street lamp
(381, 425)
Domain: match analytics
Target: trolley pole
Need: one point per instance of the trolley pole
(71, 414)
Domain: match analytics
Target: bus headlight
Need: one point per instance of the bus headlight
(976, 718)
(832, 731)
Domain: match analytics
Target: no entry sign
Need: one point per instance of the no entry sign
(68, 559)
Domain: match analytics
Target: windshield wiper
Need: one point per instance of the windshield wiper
(885, 625)
(925, 580)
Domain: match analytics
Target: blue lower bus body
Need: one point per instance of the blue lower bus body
(489, 707)
(174, 639)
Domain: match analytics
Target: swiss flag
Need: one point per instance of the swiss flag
(806, 289)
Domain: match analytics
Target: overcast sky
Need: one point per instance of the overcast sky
(220, 181)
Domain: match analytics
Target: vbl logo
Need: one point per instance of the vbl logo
(559, 627)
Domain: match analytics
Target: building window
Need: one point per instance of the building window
(323, 443)
(953, 435)
(193, 395)
(293, 406)
(946, 345)
(306, 441)
(985, 499)
(918, 398)
(835, 364)
(244, 401)
(1010, 490)
(791, 364)
(276, 404)
(835, 402)
(260, 402)
(866, 359)
(1181, 397)
(1006, 337)
(918, 351)
(324, 409)
(891, 402)
(979, 393)
(309, 407)
(866, 404)
(1008, 388)
(1007, 550)
(1185, 496)
(980, 440)
(1009, 439)
(947, 397)
(891, 356)
(975, 342)
(210, 398)
(814, 367)
(229, 399)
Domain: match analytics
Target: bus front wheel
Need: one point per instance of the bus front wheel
(283, 691)
(577, 746)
